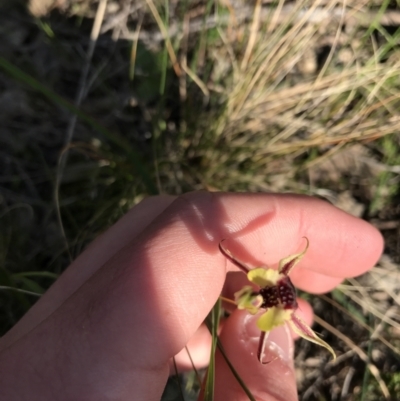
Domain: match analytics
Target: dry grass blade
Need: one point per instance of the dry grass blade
(373, 369)
(388, 290)
(164, 31)
(83, 80)
(365, 302)
(62, 161)
(197, 80)
(332, 50)
(362, 324)
(253, 34)
(175, 64)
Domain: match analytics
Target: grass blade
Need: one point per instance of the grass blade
(116, 139)
(20, 291)
(234, 372)
(36, 274)
(212, 324)
(177, 379)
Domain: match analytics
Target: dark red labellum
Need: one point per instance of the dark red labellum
(282, 293)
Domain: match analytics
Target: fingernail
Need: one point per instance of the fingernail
(271, 381)
(279, 343)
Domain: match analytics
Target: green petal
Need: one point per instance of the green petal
(272, 318)
(247, 299)
(300, 327)
(287, 264)
(263, 277)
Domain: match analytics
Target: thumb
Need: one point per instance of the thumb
(274, 381)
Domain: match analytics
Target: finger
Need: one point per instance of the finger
(196, 353)
(120, 234)
(147, 301)
(314, 282)
(275, 380)
(340, 245)
(97, 253)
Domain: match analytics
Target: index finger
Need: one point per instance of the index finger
(340, 245)
(168, 279)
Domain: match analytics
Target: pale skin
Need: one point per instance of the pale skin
(108, 328)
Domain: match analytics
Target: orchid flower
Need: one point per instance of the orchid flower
(276, 298)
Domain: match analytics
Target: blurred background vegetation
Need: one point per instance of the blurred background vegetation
(105, 102)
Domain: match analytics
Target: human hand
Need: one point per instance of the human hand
(107, 329)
